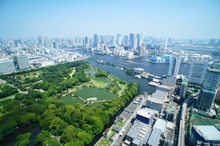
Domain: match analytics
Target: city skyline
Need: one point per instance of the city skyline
(182, 19)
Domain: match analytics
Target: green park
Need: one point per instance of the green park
(71, 102)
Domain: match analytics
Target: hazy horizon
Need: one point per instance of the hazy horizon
(197, 19)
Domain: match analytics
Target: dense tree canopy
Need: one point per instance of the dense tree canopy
(60, 123)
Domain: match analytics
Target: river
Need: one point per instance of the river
(158, 69)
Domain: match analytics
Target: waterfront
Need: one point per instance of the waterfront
(152, 68)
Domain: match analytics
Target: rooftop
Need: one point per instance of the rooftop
(145, 113)
(139, 132)
(160, 124)
(155, 137)
(161, 95)
(209, 132)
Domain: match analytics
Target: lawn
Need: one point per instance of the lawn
(103, 142)
(104, 80)
(73, 70)
(89, 92)
(70, 100)
(201, 120)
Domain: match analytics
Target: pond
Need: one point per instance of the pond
(10, 140)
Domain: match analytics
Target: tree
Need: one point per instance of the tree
(41, 137)
(85, 137)
(23, 139)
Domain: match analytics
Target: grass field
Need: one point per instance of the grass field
(70, 100)
(89, 92)
(104, 80)
(201, 120)
(73, 70)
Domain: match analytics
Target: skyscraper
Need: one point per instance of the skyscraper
(197, 72)
(55, 45)
(96, 40)
(209, 87)
(119, 40)
(132, 41)
(125, 40)
(174, 66)
(41, 40)
(139, 40)
(165, 47)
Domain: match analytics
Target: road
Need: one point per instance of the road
(181, 139)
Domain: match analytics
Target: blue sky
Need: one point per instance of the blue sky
(71, 18)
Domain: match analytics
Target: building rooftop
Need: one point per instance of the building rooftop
(170, 125)
(145, 113)
(155, 100)
(155, 137)
(209, 132)
(160, 124)
(139, 132)
(161, 95)
(171, 107)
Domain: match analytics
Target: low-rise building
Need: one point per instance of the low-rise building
(156, 101)
(138, 134)
(205, 135)
(145, 116)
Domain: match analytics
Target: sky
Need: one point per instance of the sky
(196, 19)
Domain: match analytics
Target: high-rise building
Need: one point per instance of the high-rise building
(6, 66)
(41, 40)
(86, 43)
(209, 87)
(21, 62)
(126, 40)
(55, 45)
(139, 40)
(96, 40)
(141, 51)
(197, 72)
(174, 66)
(132, 42)
(119, 40)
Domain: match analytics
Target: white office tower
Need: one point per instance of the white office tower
(113, 40)
(209, 87)
(41, 40)
(119, 40)
(139, 40)
(174, 66)
(96, 40)
(126, 40)
(86, 43)
(132, 41)
(21, 62)
(165, 47)
(197, 72)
